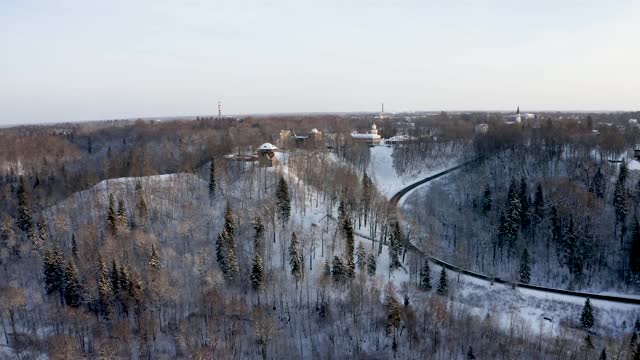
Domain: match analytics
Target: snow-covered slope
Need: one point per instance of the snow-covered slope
(386, 177)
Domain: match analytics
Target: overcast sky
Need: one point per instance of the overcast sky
(68, 60)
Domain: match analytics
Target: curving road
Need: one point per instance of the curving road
(395, 200)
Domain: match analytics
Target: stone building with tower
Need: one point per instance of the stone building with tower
(371, 138)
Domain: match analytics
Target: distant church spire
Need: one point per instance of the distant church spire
(518, 111)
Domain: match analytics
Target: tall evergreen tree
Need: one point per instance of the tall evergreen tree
(361, 257)
(486, 200)
(221, 250)
(72, 287)
(367, 195)
(395, 246)
(538, 205)
(523, 197)
(23, 216)
(572, 251)
(283, 202)
(231, 259)
(43, 231)
(141, 205)
(586, 317)
(371, 264)
(226, 247)
(347, 228)
(105, 295)
(229, 220)
(134, 291)
(598, 184)
(557, 235)
(342, 211)
(101, 266)
(212, 178)
(620, 202)
(154, 258)
(258, 238)
(295, 259)
(442, 283)
(121, 215)
(54, 273)
(74, 248)
(513, 216)
(124, 284)
(123, 277)
(501, 231)
(338, 270)
(114, 277)
(257, 273)
(634, 252)
(425, 276)
(105, 292)
(111, 216)
(525, 269)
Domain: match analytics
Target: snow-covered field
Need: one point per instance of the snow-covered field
(531, 307)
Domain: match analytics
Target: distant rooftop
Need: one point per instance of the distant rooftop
(267, 146)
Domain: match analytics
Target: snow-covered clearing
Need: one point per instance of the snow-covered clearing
(386, 178)
(530, 307)
(634, 165)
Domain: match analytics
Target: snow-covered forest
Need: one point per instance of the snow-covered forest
(141, 240)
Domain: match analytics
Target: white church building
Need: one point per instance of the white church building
(372, 137)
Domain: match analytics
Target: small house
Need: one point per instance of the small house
(266, 155)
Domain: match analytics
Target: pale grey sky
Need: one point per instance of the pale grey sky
(71, 60)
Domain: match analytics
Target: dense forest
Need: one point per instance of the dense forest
(144, 240)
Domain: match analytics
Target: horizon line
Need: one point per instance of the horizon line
(293, 113)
